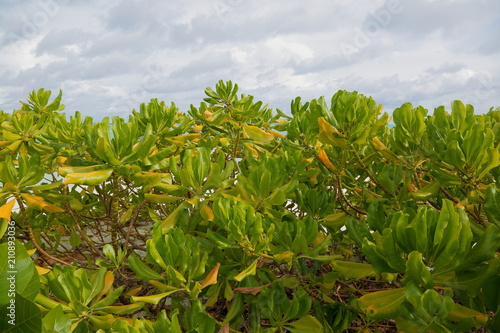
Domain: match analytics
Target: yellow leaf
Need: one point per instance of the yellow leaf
(325, 160)
(335, 221)
(170, 221)
(133, 291)
(461, 312)
(257, 134)
(353, 270)
(177, 143)
(122, 309)
(382, 304)
(108, 282)
(42, 270)
(386, 152)
(153, 299)
(320, 237)
(326, 134)
(211, 277)
(88, 178)
(254, 152)
(6, 209)
(38, 203)
(161, 198)
(187, 137)
(276, 134)
(61, 160)
(207, 213)
(162, 286)
(250, 270)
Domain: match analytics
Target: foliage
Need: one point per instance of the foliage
(236, 217)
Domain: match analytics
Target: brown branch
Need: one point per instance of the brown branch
(132, 222)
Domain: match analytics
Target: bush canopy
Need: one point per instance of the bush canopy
(233, 217)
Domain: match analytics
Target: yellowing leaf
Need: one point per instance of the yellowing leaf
(382, 304)
(335, 221)
(161, 198)
(153, 299)
(170, 221)
(461, 312)
(353, 270)
(63, 171)
(276, 134)
(257, 134)
(42, 270)
(211, 277)
(207, 213)
(326, 134)
(122, 309)
(61, 160)
(133, 291)
(108, 282)
(88, 178)
(187, 137)
(6, 209)
(382, 148)
(250, 270)
(325, 160)
(38, 203)
(162, 286)
(319, 238)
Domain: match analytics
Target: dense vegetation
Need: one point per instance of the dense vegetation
(235, 217)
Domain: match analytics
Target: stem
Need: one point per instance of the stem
(357, 210)
(132, 222)
(44, 254)
(368, 172)
(81, 232)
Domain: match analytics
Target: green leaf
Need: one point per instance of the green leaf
(417, 272)
(142, 271)
(74, 238)
(123, 309)
(306, 324)
(484, 250)
(25, 318)
(492, 205)
(455, 156)
(427, 192)
(56, 321)
(18, 270)
(109, 252)
(96, 286)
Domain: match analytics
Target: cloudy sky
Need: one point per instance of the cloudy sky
(110, 56)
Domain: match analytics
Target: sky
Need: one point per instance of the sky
(108, 57)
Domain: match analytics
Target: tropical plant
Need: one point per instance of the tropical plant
(235, 217)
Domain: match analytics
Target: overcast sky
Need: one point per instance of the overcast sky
(110, 56)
